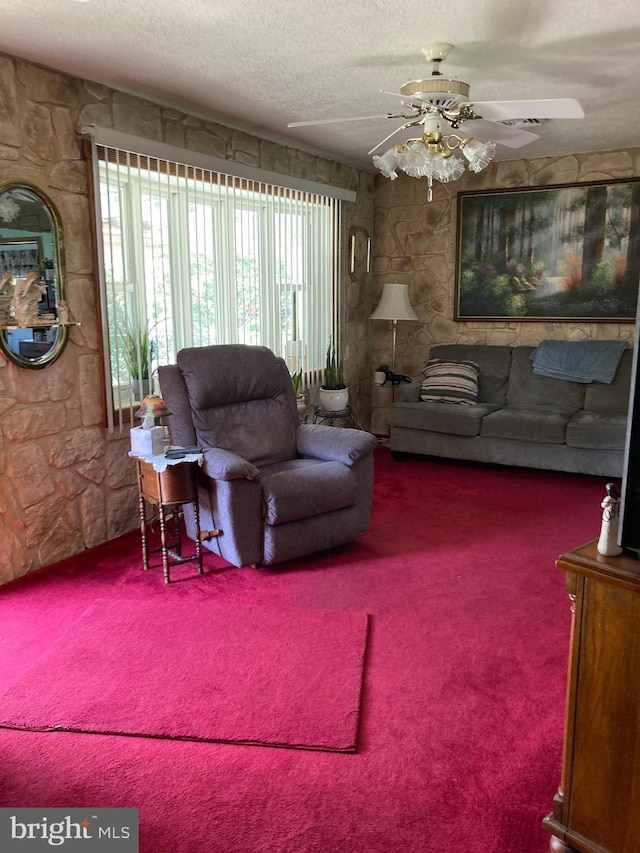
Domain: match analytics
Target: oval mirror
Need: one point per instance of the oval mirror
(34, 318)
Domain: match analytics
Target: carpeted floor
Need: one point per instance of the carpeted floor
(463, 701)
(200, 671)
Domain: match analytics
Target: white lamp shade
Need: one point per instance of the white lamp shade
(394, 304)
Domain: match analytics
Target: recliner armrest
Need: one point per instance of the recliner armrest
(334, 444)
(222, 464)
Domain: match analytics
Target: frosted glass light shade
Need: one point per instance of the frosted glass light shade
(479, 154)
(394, 304)
(387, 163)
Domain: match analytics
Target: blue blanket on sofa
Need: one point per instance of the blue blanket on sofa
(578, 361)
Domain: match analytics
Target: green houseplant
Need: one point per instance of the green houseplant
(296, 381)
(301, 399)
(333, 393)
(333, 371)
(137, 349)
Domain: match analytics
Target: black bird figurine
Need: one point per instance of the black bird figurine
(395, 378)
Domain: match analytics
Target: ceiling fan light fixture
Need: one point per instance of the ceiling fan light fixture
(435, 156)
(450, 170)
(478, 154)
(387, 163)
(414, 159)
(440, 106)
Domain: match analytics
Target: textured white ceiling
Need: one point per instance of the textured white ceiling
(259, 64)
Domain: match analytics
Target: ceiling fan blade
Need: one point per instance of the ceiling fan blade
(545, 108)
(334, 120)
(510, 137)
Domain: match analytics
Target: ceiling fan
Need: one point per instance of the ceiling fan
(439, 104)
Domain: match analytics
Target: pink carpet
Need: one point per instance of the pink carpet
(462, 712)
(200, 671)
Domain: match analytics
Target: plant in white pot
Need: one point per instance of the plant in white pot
(380, 374)
(333, 393)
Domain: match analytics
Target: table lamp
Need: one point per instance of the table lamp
(148, 439)
(394, 305)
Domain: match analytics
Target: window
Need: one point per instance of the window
(193, 257)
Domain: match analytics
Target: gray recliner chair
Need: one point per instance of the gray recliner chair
(276, 488)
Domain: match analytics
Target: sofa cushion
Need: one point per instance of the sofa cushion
(303, 488)
(528, 390)
(455, 420)
(450, 382)
(542, 424)
(597, 431)
(493, 363)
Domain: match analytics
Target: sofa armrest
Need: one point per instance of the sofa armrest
(222, 464)
(334, 444)
(409, 392)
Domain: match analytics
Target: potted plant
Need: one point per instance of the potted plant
(137, 348)
(380, 374)
(333, 393)
(301, 400)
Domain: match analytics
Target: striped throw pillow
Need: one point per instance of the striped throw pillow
(450, 382)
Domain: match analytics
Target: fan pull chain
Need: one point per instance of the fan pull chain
(430, 190)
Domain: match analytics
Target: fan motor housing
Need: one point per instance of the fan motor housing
(438, 91)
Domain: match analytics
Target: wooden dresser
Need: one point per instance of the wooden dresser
(597, 808)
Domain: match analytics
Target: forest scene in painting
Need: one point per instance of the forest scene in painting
(558, 252)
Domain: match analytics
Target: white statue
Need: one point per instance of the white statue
(608, 541)
(64, 318)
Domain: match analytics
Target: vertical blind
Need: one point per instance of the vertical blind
(191, 257)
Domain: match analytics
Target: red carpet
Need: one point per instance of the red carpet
(461, 725)
(200, 671)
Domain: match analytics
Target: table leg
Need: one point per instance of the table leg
(163, 543)
(143, 533)
(176, 520)
(196, 512)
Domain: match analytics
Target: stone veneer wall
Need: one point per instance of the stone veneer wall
(415, 244)
(65, 483)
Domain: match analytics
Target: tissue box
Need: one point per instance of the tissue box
(147, 442)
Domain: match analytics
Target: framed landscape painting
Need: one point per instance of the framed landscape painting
(552, 253)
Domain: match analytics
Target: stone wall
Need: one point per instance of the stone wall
(415, 244)
(66, 484)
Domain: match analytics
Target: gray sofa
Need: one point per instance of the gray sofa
(520, 418)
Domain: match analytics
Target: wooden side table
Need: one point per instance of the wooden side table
(171, 488)
(382, 397)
